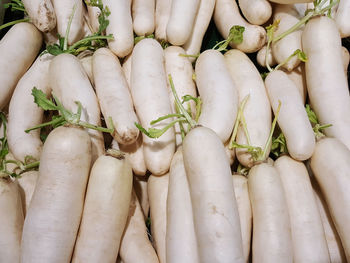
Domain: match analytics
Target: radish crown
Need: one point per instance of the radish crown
(182, 116)
(20, 167)
(66, 116)
(89, 43)
(235, 35)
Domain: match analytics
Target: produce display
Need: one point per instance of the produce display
(165, 131)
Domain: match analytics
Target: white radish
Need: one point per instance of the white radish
(181, 20)
(240, 184)
(328, 93)
(148, 87)
(127, 68)
(69, 84)
(140, 188)
(272, 241)
(135, 245)
(230, 153)
(51, 37)
(16, 57)
(114, 96)
(256, 12)
(305, 219)
(215, 212)
(143, 16)
(134, 153)
(297, 75)
(257, 110)
(205, 13)
(157, 194)
(86, 62)
(54, 214)
(181, 243)
(27, 183)
(106, 210)
(330, 165)
(11, 220)
(163, 9)
(342, 17)
(346, 59)
(24, 144)
(261, 57)
(41, 13)
(120, 26)
(181, 71)
(219, 108)
(288, 16)
(292, 118)
(335, 248)
(64, 11)
(285, 2)
(93, 13)
(226, 15)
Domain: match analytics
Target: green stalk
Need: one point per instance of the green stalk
(91, 38)
(53, 122)
(14, 22)
(179, 104)
(263, 157)
(65, 45)
(95, 127)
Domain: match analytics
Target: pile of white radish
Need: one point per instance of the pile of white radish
(123, 140)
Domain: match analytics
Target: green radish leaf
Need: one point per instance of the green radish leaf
(137, 39)
(311, 114)
(301, 55)
(4, 150)
(279, 145)
(54, 50)
(236, 34)
(41, 100)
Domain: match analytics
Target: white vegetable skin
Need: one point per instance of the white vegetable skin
(86, 62)
(181, 20)
(21, 143)
(297, 75)
(41, 13)
(257, 111)
(70, 83)
(285, 2)
(27, 183)
(181, 243)
(261, 57)
(106, 210)
(127, 69)
(240, 184)
(328, 93)
(219, 108)
(143, 14)
(51, 37)
(134, 153)
(140, 188)
(114, 96)
(181, 71)
(292, 118)
(204, 15)
(93, 12)
(346, 59)
(215, 212)
(272, 241)
(230, 153)
(135, 245)
(53, 217)
(226, 15)
(148, 87)
(309, 241)
(120, 26)
(63, 10)
(330, 164)
(11, 221)
(163, 9)
(257, 12)
(282, 49)
(335, 248)
(16, 58)
(342, 18)
(157, 194)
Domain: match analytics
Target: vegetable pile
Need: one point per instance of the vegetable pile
(126, 137)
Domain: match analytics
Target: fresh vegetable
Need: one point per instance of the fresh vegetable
(181, 243)
(256, 12)
(42, 14)
(53, 218)
(106, 209)
(143, 16)
(157, 187)
(16, 58)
